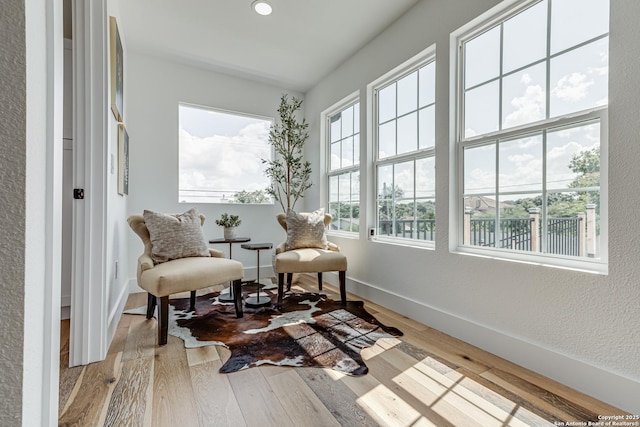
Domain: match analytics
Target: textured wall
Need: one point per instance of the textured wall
(12, 207)
(517, 310)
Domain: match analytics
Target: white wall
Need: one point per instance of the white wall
(579, 328)
(117, 228)
(154, 89)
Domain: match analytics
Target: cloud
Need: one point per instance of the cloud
(224, 163)
(522, 172)
(480, 181)
(529, 107)
(572, 87)
(562, 146)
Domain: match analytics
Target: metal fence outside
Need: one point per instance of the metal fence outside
(563, 235)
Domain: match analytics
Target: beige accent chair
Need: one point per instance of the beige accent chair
(309, 260)
(181, 275)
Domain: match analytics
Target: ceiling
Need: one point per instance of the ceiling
(295, 47)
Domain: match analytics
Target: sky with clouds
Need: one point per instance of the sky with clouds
(220, 154)
(223, 152)
(578, 81)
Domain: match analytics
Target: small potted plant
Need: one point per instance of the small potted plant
(229, 222)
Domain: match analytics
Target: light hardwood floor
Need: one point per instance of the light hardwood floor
(425, 378)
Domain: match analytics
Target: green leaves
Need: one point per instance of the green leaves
(290, 174)
(227, 220)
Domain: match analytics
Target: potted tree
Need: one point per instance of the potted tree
(290, 174)
(229, 222)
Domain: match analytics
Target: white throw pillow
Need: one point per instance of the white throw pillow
(306, 230)
(175, 236)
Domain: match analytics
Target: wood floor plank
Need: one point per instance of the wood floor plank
(87, 406)
(562, 409)
(214, 398)
(518, 407)
(424, 378)
(579, 399)
(129, 405)
(445, 347)
(449, 389)
(258, 403)
(173, 397)
(380, 402)
(198, 355)
(141, 341)
(269, 370)
(430, 397)
(70, 391)
(136, 300)
(339, 399)
(121, 335)
(399, 321)
(68, 377)
(301, 405)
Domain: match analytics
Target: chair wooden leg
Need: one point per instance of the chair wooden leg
(280, 289)
(192, 301)
(163, 320)
(319, 281)
(237, 297)
(343, 286)
(289, 280)
(151, 305)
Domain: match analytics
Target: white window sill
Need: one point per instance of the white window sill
(587, 265)
(409, 243)
(343, 234)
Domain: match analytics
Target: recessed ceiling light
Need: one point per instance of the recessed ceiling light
(262, 7)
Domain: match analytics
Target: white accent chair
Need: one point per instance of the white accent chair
(309, 260)
(181, 275)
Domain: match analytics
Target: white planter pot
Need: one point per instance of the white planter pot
(230, 232)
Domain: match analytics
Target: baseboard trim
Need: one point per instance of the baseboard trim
(594, 381)
(116, 311)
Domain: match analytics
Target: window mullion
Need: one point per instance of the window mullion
(415, 163)
(544, 222)
(393, 200)
(396, 118)
(497, 229)
(581, 116)
(548, 65)
(501, 77)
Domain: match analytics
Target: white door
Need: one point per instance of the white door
(67, 183)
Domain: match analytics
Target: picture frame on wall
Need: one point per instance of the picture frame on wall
(117, 73)
(123, 160)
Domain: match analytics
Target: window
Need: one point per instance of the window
(220, 156)
(404, 105)
(532, 110)
(343, 167)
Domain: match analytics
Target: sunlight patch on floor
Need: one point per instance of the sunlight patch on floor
(452, 397)
(388, 408)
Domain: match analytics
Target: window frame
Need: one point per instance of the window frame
(459, 142)
(325, 118)
(414, 64)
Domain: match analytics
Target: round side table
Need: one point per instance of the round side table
(256, 301)
(228, 296)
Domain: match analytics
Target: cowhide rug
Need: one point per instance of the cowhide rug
(310, 330)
